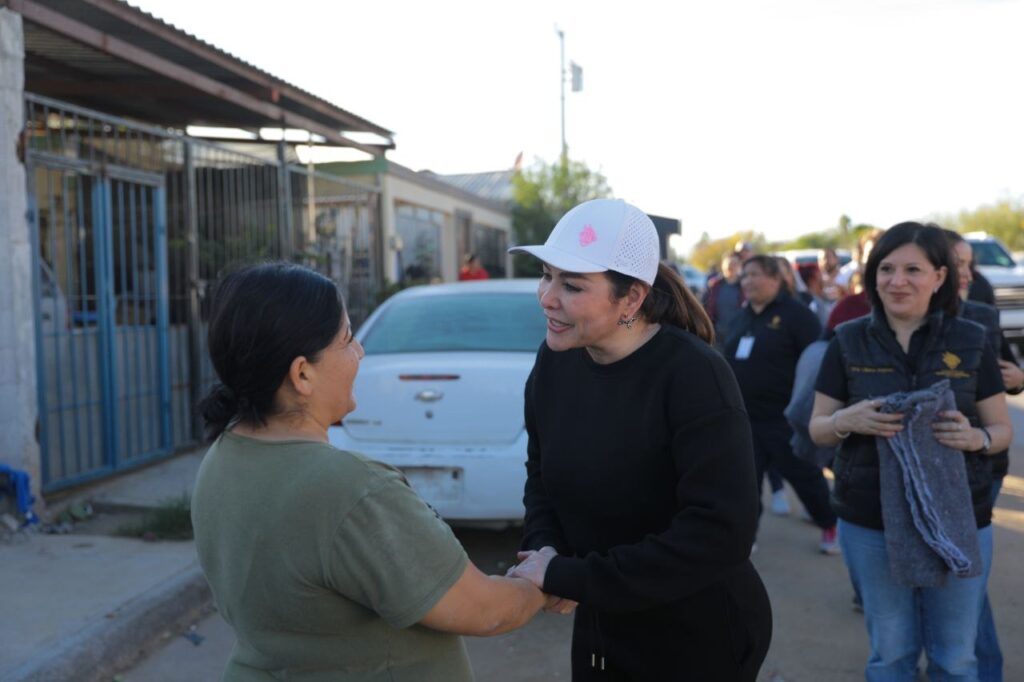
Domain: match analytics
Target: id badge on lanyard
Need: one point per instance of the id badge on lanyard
(744, 347)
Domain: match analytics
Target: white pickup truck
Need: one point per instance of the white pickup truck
(993, 260)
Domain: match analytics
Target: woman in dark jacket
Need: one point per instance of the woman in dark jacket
(765, 343)
(990, 656)
(640, 496)
(912, 340)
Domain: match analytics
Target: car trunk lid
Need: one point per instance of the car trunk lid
(432, 398)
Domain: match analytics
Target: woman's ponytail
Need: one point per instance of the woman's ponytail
(669, 302)
(672, 302)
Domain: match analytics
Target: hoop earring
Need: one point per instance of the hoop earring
(628, 323)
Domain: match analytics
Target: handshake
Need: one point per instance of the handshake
(532, 566)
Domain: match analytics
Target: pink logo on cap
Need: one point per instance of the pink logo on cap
(587, 236)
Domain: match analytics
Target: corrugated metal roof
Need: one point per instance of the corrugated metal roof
(369, 126)
(439, 183)
(493, 185)
(92, 52)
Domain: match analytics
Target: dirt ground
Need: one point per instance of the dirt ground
(818, 637)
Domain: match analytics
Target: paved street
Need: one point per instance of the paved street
(817, 638)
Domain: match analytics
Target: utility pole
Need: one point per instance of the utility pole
(565, 148)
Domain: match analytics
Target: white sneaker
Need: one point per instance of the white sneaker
(780, 505)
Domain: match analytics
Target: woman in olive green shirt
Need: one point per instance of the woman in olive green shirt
(325, 563)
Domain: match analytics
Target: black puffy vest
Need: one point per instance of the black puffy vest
(876, 366)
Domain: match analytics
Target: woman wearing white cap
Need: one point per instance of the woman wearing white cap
(641, 502)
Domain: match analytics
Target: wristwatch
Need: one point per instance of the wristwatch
(986, 442)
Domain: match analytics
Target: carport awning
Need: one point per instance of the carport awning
(110, 56)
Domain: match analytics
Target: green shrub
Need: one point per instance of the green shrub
(171, 520)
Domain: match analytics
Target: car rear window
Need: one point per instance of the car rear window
(990, 253)
(454, 322)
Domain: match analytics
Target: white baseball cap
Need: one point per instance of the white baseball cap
(599, 235)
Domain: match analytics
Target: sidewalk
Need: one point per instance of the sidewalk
(81, 606)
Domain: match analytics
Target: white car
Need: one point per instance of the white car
(694, 278)
(440, 394)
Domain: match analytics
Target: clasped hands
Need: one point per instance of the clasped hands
(532, 566)
(952, 429)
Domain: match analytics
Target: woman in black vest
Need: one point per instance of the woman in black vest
(912, 340)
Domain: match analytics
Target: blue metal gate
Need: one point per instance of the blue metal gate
(132, 224)
(101, 318)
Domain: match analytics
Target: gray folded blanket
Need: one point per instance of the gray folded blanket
(930, 529)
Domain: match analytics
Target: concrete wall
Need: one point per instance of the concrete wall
(402, 185)
(399, 189)
(18, 399)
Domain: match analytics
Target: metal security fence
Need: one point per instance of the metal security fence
(131, 226)
(335, 233)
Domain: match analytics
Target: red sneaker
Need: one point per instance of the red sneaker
(830, 541)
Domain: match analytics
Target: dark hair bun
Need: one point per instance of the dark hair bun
(218, 408)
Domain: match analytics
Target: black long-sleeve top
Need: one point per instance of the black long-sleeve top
(640, 473)
(780, 333)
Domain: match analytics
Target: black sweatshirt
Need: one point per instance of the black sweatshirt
(640, 473)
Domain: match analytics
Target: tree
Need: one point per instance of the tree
(542, 194)
(844, 224)
(814, 240)
(1004, 220)
(708, 252)
(844, 235)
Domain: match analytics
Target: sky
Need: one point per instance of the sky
(743, 115)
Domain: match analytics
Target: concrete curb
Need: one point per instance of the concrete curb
(113, 643)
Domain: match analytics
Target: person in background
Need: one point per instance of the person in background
(744, 250)
(980, 288)
(987, 650)
(471, 269)
(713, 273)
(861, 250)
(640, 497)
(780, 504)
(819, 304)
(724, 297)
(763, 350)
(911, 340)
(325, 563)
(793, 288)
(856, 304)
(828, 266)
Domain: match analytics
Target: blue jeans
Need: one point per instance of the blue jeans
(990, 657)
(903, 620)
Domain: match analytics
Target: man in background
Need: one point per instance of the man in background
(724, 297)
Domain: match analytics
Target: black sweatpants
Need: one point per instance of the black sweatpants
(772, 448)
(720, 634)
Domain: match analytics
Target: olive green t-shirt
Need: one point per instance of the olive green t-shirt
(323, 562)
